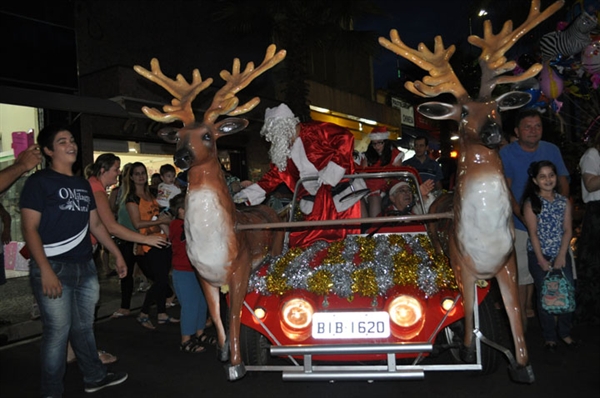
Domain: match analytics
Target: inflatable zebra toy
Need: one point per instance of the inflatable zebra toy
(570, 41)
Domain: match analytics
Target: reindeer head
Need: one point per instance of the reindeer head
(479, 120)
(196, 142)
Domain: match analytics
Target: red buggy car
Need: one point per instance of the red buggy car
(380, 304)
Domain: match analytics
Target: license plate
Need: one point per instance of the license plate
(350, 325)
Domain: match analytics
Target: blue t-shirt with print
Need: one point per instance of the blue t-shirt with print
(516, 161)
(65, 203)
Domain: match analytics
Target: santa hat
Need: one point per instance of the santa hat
(379, 133)
(280, 111)
(398, 186)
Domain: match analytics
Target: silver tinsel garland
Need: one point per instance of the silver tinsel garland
(384, 261)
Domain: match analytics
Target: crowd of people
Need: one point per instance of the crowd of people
(141, 225)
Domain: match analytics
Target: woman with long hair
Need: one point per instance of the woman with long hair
(101, 174)
(381, 153)
(143, 211)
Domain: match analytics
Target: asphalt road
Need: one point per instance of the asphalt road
(157, 368)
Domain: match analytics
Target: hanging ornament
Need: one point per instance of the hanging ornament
(551, 82)
(590, 57)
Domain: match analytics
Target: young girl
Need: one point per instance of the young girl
(548, 219)
(187, 287)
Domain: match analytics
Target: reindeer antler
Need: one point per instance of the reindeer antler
(184, 93)
(492, 60)
(225, 102)
(441, 79)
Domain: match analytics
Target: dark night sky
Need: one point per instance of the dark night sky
(422, 20)
(415, 21)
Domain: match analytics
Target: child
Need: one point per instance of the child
(548, 219)
(188, 290)
(167, 188)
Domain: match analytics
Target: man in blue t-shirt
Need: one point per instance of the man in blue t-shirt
(428, 168)
(516, 158)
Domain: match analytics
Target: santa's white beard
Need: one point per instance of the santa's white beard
(279, 132)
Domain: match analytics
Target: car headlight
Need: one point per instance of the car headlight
(297, 313)
(407, 316)
(405, 311)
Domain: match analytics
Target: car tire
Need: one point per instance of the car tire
(255, 348)
(492, 325)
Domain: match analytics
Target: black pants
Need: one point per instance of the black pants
(158, 262)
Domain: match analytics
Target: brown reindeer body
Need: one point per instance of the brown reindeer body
(221, 254)
(479, 240)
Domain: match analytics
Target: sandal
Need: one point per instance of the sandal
(167, 320)
(119, 314)
(106, 357)
(192, 346)
(145, 322)
(205, 339)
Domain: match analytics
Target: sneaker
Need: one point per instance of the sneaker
(111, 379)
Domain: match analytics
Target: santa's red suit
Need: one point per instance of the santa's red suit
(324, 150)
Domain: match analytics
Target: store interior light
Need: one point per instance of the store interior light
(368, 121)
(319, 109)
(134, 147)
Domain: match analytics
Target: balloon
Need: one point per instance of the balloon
(550, 82)
(590, 57)
(531, 86)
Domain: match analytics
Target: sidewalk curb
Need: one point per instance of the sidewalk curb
(33, 328)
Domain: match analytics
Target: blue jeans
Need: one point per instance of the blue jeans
(553, 326)
(192, 301)
(68, 318)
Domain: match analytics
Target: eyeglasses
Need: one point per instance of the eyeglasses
(402, 190)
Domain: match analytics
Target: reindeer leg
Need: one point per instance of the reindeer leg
(467, 352)
(522, 371)
(237, 292)
(277, 243)
(213, 298)
(466, 284)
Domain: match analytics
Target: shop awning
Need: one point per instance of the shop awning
(59, 101)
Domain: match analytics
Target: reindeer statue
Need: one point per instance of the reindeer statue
(221, 254)
(479, 239)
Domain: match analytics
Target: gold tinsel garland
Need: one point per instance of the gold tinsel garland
(368, 266)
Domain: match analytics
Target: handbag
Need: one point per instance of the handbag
(558, 294)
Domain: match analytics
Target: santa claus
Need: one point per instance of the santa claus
(313, 149)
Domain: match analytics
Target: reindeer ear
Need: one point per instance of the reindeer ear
(169, 134)
(513, 100)
(231, 125)
(440, 110)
